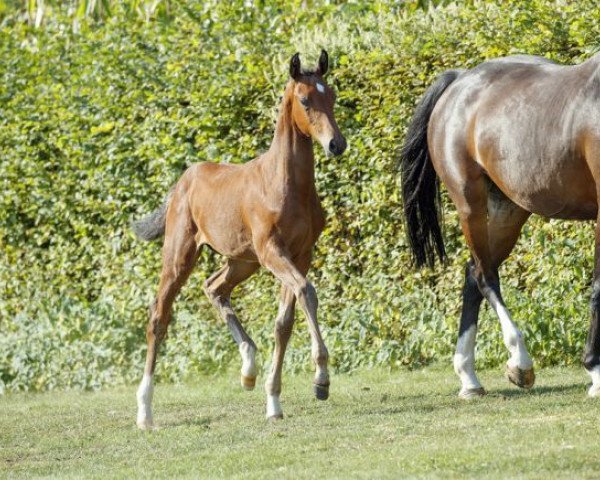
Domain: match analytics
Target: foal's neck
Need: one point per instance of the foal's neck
(291, 152)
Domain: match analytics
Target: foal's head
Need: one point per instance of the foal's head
(312, 105)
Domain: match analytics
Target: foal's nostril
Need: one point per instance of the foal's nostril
(337, 147)
(333, 147)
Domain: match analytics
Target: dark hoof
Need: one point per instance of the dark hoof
(275, 418)
(321, 391)
(472, 393)
(521, 378)
(248, 382)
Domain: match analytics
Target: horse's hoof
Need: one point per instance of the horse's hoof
(521, 378)
(145, 424)
(472, 393)
(275, 418)
(321, 391)
(248, 382)
(594, 391)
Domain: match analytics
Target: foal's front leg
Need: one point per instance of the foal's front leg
(283, 330)
(276, 259)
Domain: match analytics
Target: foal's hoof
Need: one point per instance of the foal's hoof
(321, 391)
(472, 393)
(521, 378)
(275, 418)
(248, 382)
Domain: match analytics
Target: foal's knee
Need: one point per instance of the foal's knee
(305, 292)
(157, 325)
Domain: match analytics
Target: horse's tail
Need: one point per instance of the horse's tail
(420, 184)
(152, 226)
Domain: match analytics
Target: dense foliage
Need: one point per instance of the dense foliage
(97, 122)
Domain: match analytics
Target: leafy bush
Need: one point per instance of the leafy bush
(97, 123)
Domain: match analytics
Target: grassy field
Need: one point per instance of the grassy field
(375, 425)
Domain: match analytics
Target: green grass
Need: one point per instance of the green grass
(375, 425)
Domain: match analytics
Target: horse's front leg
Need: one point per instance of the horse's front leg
(283, 330)
(293, 276)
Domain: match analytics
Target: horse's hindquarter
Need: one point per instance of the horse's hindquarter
(525, 124)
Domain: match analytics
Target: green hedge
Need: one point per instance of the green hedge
(96, 125)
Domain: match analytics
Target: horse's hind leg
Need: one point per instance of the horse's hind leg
(491, 224)
(179, 256)
(218, 288)
(464, 358)
(504, 226)
(591, 359)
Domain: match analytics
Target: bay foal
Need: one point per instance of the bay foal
(510, 137)
(265, 212)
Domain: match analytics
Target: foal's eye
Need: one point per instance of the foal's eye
(304, 101)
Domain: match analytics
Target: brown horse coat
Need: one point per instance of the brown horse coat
(262, 213)
(508, 138)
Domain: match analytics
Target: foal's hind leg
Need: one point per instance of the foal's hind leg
(490, 241)
(218, 288)
(179, 256)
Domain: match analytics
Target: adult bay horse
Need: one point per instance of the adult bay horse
(508, 138)
(265, 212)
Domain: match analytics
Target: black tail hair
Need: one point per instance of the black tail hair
(152, 226)
(420, 184)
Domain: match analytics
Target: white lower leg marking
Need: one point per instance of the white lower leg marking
(248, 362)
(144, 399)
(594, 390)
(273, 406)
(464, 359)
(513, 339)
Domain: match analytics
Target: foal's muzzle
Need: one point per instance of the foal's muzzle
(337, 146)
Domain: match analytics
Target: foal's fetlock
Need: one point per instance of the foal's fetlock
(274, 411)
(248, 372)
(522, 378)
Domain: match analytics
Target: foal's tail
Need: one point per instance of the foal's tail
(152, 226)
(420, 184)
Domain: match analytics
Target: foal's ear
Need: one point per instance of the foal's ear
(295, 69)
(323, 62)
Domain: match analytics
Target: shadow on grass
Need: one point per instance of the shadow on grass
(199, 421)
(516, 392)
(428, 403)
